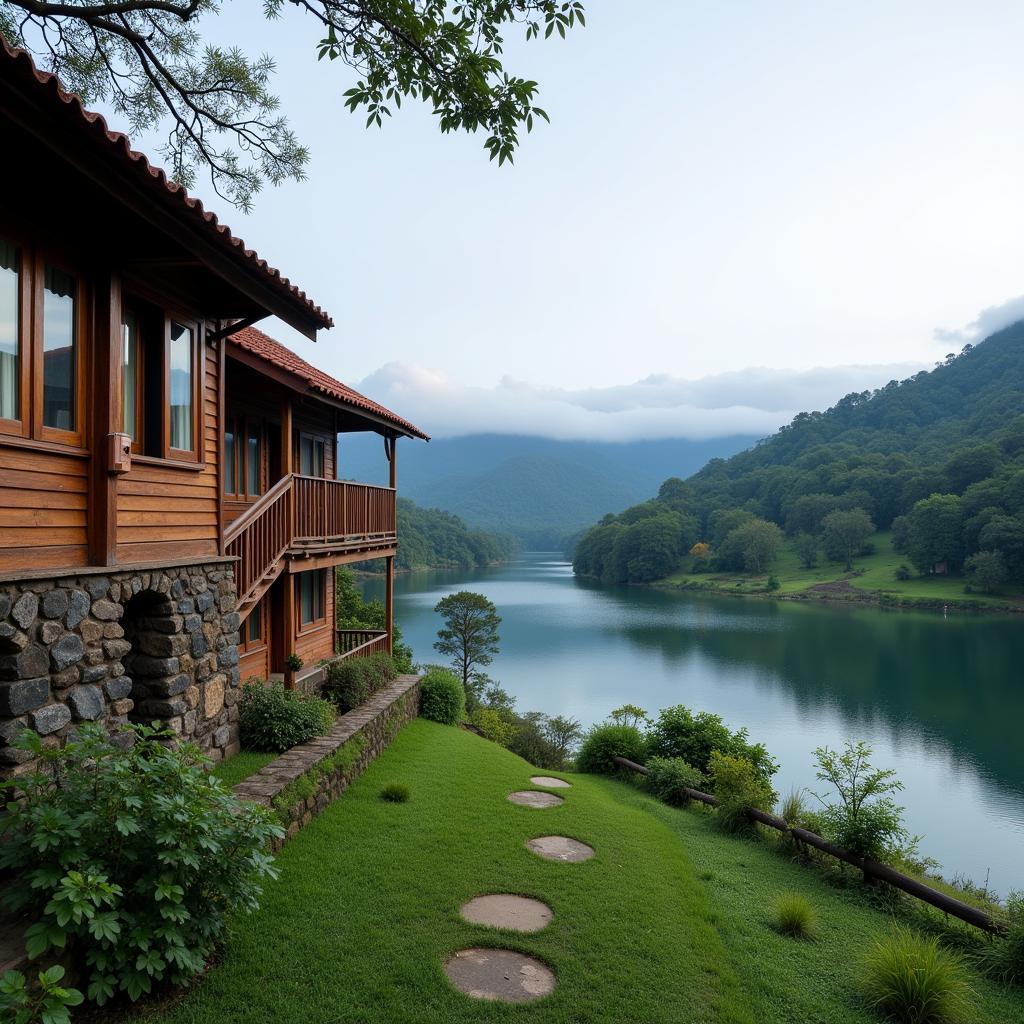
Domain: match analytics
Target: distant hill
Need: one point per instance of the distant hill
(539, 490)
(938, 457)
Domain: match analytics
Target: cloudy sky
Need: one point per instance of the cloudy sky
(729, 196)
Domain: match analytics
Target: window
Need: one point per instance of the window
(59, 344)
(312, 598)
(181, 384)
(243, 457)
(131, 379)
(311, 455)
(254, 630)
(10, 331)
(253, 464)
(230, 460)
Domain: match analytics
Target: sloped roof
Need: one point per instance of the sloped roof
(17, 66)
(254, 341)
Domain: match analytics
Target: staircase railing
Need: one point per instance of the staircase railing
(260, 536)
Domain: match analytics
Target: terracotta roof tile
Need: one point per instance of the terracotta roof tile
(16, 61)
(259, 344)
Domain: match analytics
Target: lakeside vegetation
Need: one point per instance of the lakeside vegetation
(935, 462)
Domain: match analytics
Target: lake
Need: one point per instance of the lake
(941, 700)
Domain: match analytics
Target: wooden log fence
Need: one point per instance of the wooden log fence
(872, 869)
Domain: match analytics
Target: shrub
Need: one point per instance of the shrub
(534, 741)
(1005, 957)
(773, 583)
(130, 860)
(492, 725)
(902, 572)
(442, 698)
(353, 681)
(604, 742)
(794, 916)
(794, 808)
(679, 732)
(738, 785)
(667, 775)
(276, 719)
(865, 820)
(395, 793)
(910, 978)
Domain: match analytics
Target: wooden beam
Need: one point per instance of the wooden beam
(105, 417)
(288, 626)
(389, 603)
(287, 446)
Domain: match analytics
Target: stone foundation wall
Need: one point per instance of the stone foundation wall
(127, 646)
(377, 722)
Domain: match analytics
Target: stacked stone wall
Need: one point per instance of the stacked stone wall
(159, 645)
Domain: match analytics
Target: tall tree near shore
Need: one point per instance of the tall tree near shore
(469, 635)
(150, 61)
(845, 532)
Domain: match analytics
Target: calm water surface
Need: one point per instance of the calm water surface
(940, 700)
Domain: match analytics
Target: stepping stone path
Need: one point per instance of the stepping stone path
(501, 910)
(569, 851)
(532, 798)
(550, 782)
(499, 974)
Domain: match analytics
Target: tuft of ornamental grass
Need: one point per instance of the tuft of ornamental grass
(911, 979)
(395, 793)
(795, 917)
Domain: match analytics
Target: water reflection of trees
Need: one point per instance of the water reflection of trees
(959, 679)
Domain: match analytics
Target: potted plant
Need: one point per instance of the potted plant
(292, 664)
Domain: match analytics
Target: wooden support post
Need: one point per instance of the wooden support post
(105, 420)
(393, 459)
(288, 626)
(389, 603)
(287, 445)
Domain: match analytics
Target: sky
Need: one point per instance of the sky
(740, 210)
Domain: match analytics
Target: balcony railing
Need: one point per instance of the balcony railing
(309, 515)
(361, 641)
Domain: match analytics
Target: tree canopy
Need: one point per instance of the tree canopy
(152, 61)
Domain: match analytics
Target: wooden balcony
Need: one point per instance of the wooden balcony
(304, 518)
(352, 642)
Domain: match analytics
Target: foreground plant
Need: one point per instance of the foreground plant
(795, 917)
(911, 979)
(131, 860)
(47, 1001)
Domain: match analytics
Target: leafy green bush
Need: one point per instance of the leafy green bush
(442, 698)
(1005, 956)
(737, 784)
(395, 793)
(667, 775)
(276, 719)
(910, 978)
(865, 819)
(130, 860)
(353, 681)
(607, 741)
(679, 732)
(492, 725)
(794, 916)
(47, 1001)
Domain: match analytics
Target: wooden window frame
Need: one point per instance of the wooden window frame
(244, 427)
(316, 439)
(139, 442)
(247, 646)
(194, 455)
(20, 427)
(301, 628)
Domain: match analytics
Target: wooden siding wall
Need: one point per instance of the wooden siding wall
(167, 511)
(43, 497)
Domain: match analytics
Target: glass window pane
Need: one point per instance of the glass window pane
(130, 376)
(229, 461)
(306, 592)
(58, 349)
(306, 456)
(318, 463)
(319, 609)
(255, 624)
(181, 387)
(10, 273)
(253, 465)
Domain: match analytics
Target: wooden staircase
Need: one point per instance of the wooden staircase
(301, 516)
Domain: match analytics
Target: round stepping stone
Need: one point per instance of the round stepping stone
(502, 910)
(569, 851)
(531, 798)
(499, 975)
(550, 782)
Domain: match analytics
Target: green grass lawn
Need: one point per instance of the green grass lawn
(241, 766)
(874, 573)
(669, 922)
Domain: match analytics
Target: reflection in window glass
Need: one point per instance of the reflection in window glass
(254, 625)
(58, 349)
(311, 597)
(253, 466)
(130, 376)
(229, 462)
(180, 356)
(10, 273)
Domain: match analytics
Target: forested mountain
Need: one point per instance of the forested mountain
(939, 458)
(538, 489)
(431, 538)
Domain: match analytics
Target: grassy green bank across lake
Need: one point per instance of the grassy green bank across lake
(669, 922)
(872, 581)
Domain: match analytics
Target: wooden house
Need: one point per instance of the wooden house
(170, 504)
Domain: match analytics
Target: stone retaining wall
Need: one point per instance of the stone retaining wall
(124, 646)
(377, 722)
